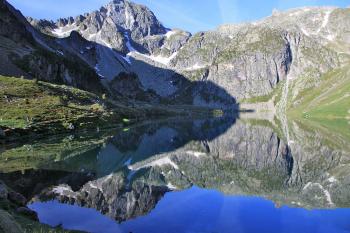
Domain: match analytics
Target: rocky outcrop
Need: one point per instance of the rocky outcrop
(128, 85)
(13, 204)
(30, 54)
(11, 27)
(28, 213)
(12, 196)
(249, 60)
(3, 191)
(17, 198)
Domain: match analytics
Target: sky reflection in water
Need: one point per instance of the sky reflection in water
(200, 210)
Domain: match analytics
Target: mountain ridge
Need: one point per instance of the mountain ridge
(248, 60)
(301, 23)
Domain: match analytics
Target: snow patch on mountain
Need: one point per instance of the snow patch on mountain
(169, 34)
(306, 33)
(161, 59)
(98, 72)
(156, 163)
(325, 21)
(196, 66)
(65, 31)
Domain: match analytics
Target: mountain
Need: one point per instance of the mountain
(93, 51)
(119, 34)
(249, 61)
(134, 56)
(26, 52)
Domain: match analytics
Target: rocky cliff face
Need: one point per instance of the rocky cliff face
(249, 60)
(246, 60)
(215, 68)
(124, 37)
(26, 52)
(113, 25)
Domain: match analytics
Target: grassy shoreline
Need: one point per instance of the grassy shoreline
(32, 109)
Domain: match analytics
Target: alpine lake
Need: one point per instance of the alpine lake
(225, 174)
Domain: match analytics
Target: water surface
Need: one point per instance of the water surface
(201, 210)
(182, 175)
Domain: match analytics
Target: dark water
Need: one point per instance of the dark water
(182, 175)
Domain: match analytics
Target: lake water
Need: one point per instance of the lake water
(229, 174)
(201, 210)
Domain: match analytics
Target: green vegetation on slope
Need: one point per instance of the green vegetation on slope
(264, 41)
(30, 106)
(327, 106)
(29, 103)
(26, 102)
(329, 100)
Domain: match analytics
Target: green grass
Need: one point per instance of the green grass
(125, 120)
(329, 100)
(259, 99)
(27, 102)
(326, 108)
(44, 108)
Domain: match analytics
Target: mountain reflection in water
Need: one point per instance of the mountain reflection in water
(130, 175)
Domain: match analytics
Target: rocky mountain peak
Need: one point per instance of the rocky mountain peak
(127, 37)
(117, 16)
(120, 25)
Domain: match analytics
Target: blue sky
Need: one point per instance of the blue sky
(191, 15)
